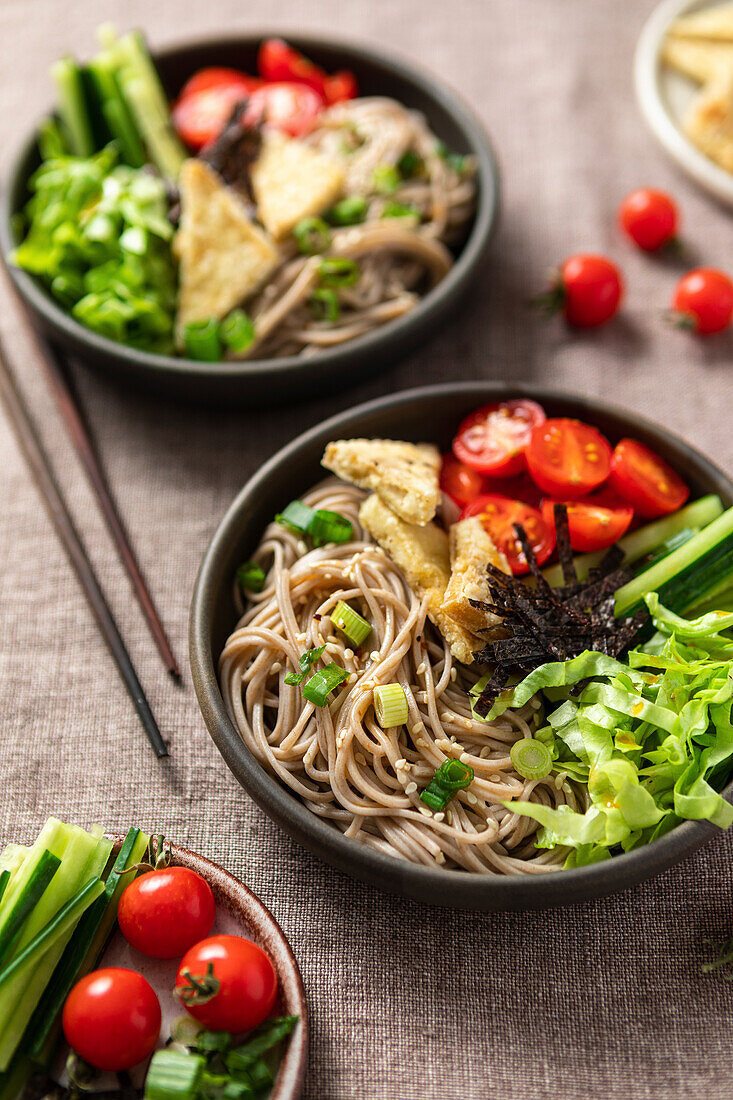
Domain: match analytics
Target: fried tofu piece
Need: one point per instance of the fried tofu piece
(709, 122)
(471, 549)
(224, 257)
(291, 181)
(422, 555)
(403, 475)
(714, 22)
(699, 60)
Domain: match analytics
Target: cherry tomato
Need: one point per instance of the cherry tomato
(460, 482)
(568, 459)
(240, 974)
(520, 487)
(591, 526)
(587, 289)
(499, 514)
(649, 218)
(215, 76)
(493, 438)
(342, 85)
(112, 1019)
(292, 108)
(277, 62)
(165, 912)
(646, 481)
(703, 301)
(200, 117)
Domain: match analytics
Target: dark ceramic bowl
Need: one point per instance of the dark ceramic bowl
(274, 381)
(430, 414)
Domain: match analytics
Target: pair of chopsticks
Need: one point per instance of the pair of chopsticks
(38, 462)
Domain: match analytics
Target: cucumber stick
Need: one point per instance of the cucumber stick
(4, 880)
(689, 575)
(67, 77)
(53, 837)
(25, 901)
(103, 75)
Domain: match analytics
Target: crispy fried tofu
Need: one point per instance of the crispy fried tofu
(699, 60)
(471, 549)
(224, 257)
(422, 555)
(404, 476)
(709, 122)
(291, 181)
(714, 22)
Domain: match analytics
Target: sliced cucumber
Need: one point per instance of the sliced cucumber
(73, 110)
(26, 900)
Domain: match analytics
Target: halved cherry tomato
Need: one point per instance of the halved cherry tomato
(292, 108)
(567, 458)
(590, 525)
(112, 1018)
(499, 514)
(493, 438)
(520, 487)
(200, 117)
(342, 85)
(165, 912)
(238, 973)
(646, 481)
(460, 482)
(277, 62)
(215, 76)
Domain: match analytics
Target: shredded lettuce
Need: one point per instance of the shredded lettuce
(650, 739)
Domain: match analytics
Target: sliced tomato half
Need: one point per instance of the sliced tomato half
(214, 77)
(646, 481)
(493, 438)
(200, 116)
(499, 514)
(460, 482)
(292, 108)
(568, 459)
(277, 62)
(591, 526)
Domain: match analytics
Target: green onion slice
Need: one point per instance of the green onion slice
(386, 178)
(394, 209)
(322, 526)
(410, 164)
(338, 271)
(237, 330)
(349, 211)
(305, 664)
(312, 236)
(350, 623)
(321, 684)
(202, 341)
(251, 576)
(297, 516)
(324, 304)
(531, 758)
(451, 777)
(390, 705)
(173, 1075)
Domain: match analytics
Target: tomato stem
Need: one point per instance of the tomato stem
(552, 300)
(198, 989)
(677, 319)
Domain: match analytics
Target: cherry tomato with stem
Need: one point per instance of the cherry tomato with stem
(586, 288)
(498, 516)
(650, 218)
(460, 482)
(493, 438)
(703, 301)
(227, 983)
(164, 912)
(568, 459)
(645, 480)
(590, 525)
(111, 1018)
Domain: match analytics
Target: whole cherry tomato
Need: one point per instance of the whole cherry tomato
(165, 912)
(112, 1019)
(588, 290)
(498, 516)
(650, 218)
(227, 983)
(703, 301)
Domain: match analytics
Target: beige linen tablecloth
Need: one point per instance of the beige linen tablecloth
(602, 1000)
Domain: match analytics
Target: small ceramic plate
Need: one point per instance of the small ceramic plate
(665, 95)
(239, 912)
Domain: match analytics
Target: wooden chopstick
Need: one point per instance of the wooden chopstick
(54, 364)
(40, 468)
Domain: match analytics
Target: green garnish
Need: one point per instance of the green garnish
(348, 211)
(451, 777)
(338, 271)
(324, 304)
(173, 1075)
(410, 164)
(251, 576)
(322, 526)
(312, 236)
(390, 705)
(454, 160)
(398, 210)
(319, 687)
(296, 516)
(350, 623)
(531, 759)
(386, 179)
(237, 330)
(202, 341)
(305, 664)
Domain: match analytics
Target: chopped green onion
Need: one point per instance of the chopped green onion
(338, 271)
(319, 687)
(312, 236)
(350, 623)
(264, 1038)
(454, 160)
(390, 705)
(305, 664)
(349, 211)
(173, 1075)
(251, 576)
(451, 777)
(329, 527)
(324, 304)
(202, 341)
(410, 164)
(531, 758)
(386, 179)
(237, 330)
(297, 516)
(398, 210)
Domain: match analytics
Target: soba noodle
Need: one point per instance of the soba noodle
(347, 769)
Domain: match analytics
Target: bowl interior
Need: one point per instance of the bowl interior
(431, 414)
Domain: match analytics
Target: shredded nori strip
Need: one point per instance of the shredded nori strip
(552, 624)
(234, 151)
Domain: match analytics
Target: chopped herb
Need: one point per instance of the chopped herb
(410, 164)
(319, 687)
(305, 664)
(531, 758)
(237, 330)
(399, 210)
(312, 236)
(324, 304)
(202, 341)
(386, 179)
(349, 211)
(338, 271)
(390, 705)
(323, 526)
(451, 777)
(251, 576)
(350, 623)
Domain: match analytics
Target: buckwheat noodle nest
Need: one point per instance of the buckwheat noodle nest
(400, 258)
(337, 759)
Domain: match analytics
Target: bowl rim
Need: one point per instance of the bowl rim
(404, 329)
(456, 888)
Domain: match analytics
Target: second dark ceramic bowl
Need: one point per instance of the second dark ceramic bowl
(274, 381)
(431, 414)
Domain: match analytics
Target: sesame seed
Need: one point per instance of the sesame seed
(443, 743)
(351, 678)
(401, 764)
(440, 858)
(440, 816)
(348, 654)
(276, 667)
(410, 788)
(374, 655)
(464, 758)
(420, 668)
(300, 637)
(361, 758)
(471, 798)
(424, 811)
(447, 716)
(421, 742)
(454, 674)
(367, 685)
(417, 727)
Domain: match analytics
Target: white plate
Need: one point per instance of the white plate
(665, 95)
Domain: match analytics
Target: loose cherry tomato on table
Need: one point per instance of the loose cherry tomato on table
(199, 117)
(591, 526)
(292, 108)
(493, 438)
(703, 301)
(646, 481)
(112, 1019)
(214, 77)
(650, 218)
(461, 483)
(568, 459)
(499, 514)
(588, 290)
(227, 983)
(165, 912)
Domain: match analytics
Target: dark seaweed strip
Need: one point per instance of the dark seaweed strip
(564, 549)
